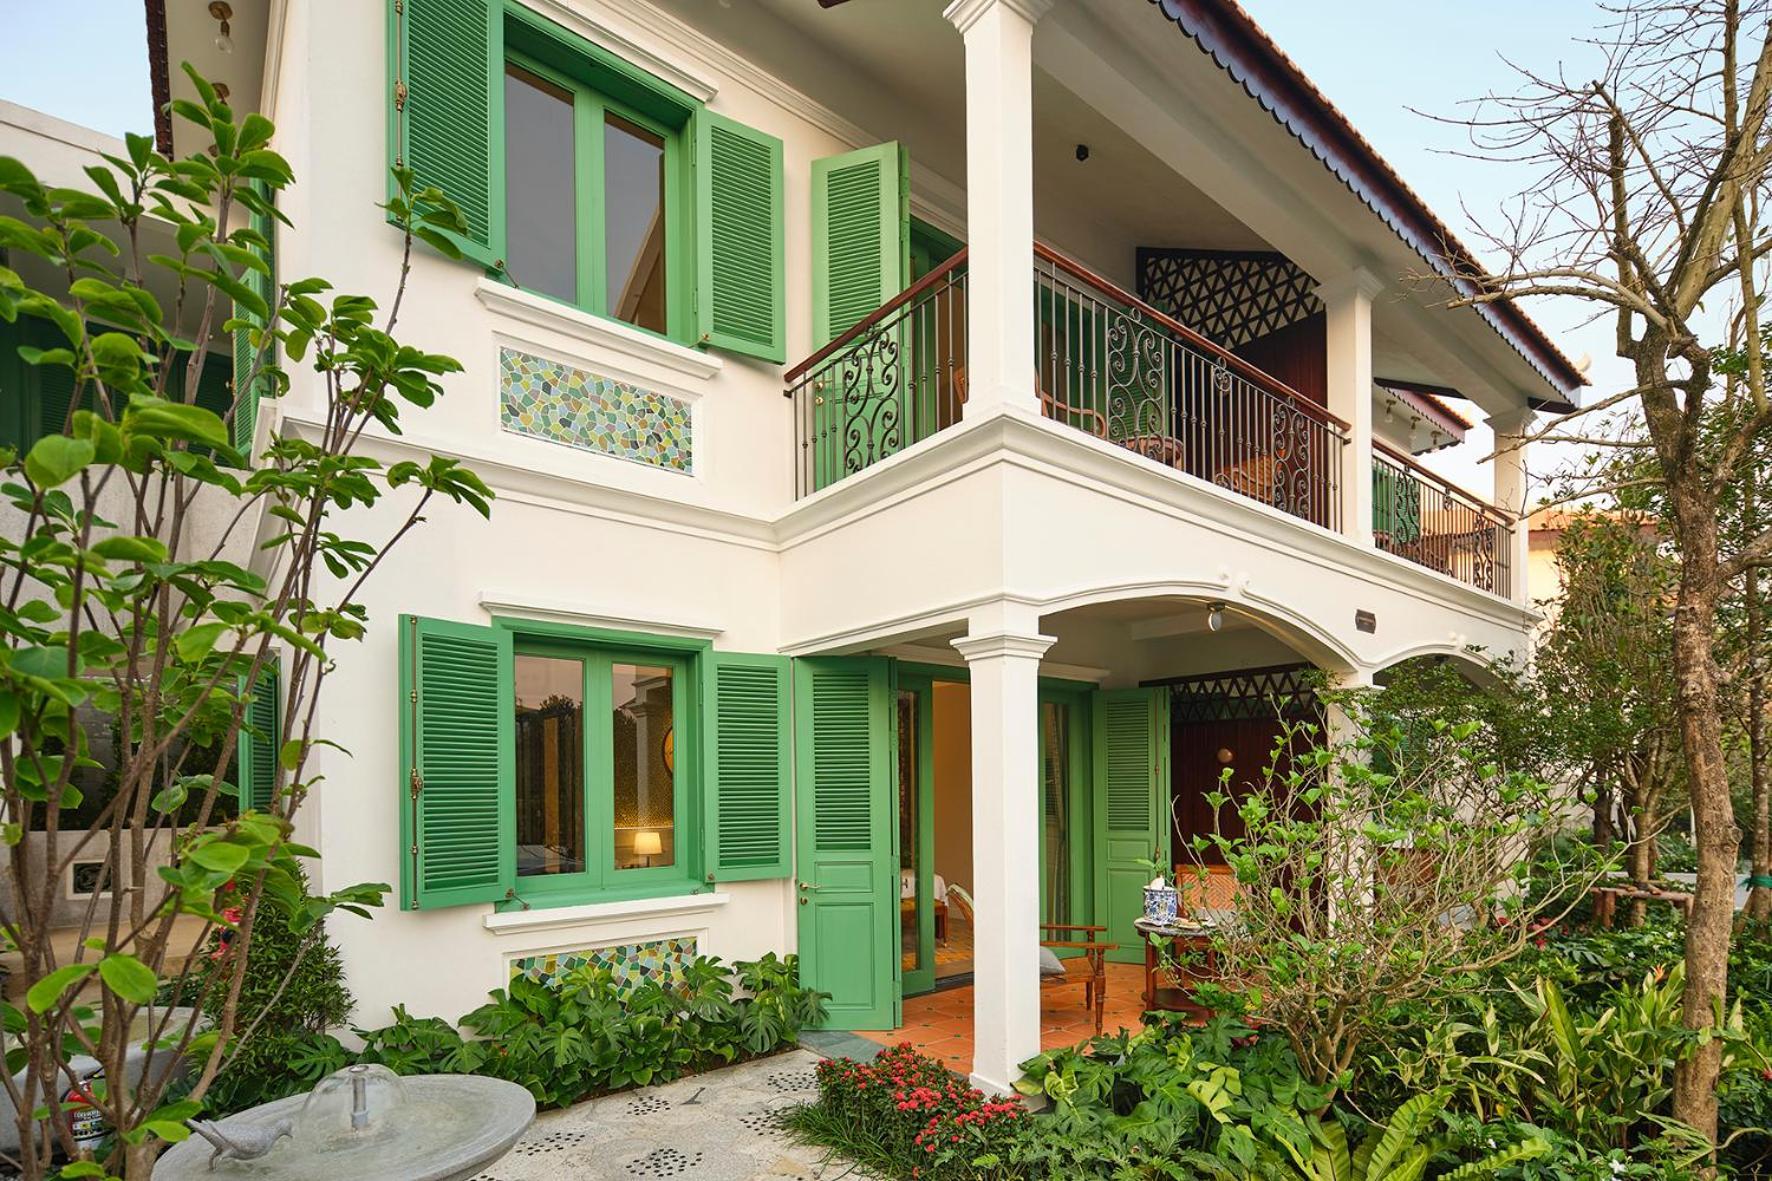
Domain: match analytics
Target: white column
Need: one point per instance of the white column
(1510, 496)
(1005, 668)
(1348, 302)
(1000, 356)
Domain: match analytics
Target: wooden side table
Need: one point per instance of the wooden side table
(1188, 937)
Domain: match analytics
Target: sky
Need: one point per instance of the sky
(1375, 59)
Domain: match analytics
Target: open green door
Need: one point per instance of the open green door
(1131, 779)
(846, 868)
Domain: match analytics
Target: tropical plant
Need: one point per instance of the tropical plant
(584, 1033)
(1379, 865)
(906, 1116)
(119, 607)
(293, 992)
(1401, 1149)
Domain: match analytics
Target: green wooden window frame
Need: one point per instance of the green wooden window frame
(725, 257)
(600, 650)
(590, 106)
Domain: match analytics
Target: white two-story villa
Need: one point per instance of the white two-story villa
(927, 442)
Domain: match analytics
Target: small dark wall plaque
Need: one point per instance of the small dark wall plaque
(89, 878)
(1366, 621)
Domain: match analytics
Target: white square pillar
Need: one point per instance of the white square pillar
(1510, 496)
(1005, 668)
(1000, 360)
(1348, 303)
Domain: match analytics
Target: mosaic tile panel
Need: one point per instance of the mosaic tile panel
(661, 961)
(562, 404)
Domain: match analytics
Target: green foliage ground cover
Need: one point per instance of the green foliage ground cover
(1556, 1066)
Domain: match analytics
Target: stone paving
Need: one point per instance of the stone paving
(719, 1126)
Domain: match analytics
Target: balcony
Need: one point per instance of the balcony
(1114, 367)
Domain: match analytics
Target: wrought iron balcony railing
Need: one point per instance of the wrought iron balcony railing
(1116, 367)
(1434, 523)
(1107, 364)
(895, 378)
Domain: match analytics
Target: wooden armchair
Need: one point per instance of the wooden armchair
(1094, 957)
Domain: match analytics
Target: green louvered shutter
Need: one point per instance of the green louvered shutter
(741, 278)
(458, 761)
(749, 751)
(861, 230)
(1131, 750)
(52, 385)
(446, 120)
(260, 739)
(250, 386)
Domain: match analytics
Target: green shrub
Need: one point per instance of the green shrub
(906, 1116)
(292, 993)
(583, 1034)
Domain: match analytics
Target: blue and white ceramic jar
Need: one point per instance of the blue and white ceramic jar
(1161, 904)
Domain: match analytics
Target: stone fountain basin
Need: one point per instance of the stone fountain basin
(455, 1124)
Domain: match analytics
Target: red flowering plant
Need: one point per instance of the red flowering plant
(908, 1116)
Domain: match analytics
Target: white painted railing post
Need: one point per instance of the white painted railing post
(1348, 302)
(1510, 495)
(1004, 662)
(999, 201)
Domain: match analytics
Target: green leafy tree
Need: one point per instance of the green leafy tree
(1605, 666)
(118, 609)
(1379, 865)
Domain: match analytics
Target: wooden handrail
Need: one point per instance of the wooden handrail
(1254, 373)
(1408, 463)
(910, 293)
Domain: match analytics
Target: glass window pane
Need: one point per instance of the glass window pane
(541, 222)
(550, 766)
(911, 946)
(633, 222)
(645, 767)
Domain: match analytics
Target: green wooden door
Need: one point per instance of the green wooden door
(1131, 758)
(846, 869)
(914, 723)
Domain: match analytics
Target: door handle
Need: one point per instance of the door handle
(807, 886)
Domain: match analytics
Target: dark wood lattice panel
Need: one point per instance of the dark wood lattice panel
(1242, 694)
(1233, 297)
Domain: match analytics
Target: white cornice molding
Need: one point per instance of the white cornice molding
(516, 604)
(688, 40)
(697, 84)
(1515, 421)
(538, 311)
(963, 14)
(1358, 281)
(998, 645)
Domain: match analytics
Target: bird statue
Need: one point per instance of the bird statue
(241, 1141)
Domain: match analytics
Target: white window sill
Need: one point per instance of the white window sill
(541, 312)
(522, 922)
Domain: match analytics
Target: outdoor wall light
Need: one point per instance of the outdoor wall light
(1215, 616)
(222, 12)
